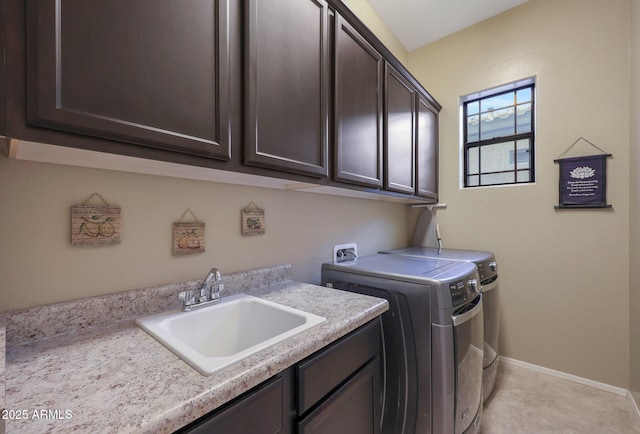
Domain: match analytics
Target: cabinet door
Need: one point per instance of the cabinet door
(287, 85)
(327, 369)
(427, 149)
(399, 133)
(151, 73)
(352, 409)
(261, 411)
(359, 71)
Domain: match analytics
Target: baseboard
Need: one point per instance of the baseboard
(564, 375)
(634, 403)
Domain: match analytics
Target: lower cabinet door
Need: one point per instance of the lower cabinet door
(259, 412)
(351, 409)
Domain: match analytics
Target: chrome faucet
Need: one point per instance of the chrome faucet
(208, 294)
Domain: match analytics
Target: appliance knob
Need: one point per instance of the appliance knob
(493, 265)
(473, 285)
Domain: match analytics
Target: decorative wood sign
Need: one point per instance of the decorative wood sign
(253, 220)
(188, 238)
(583, 180)
(95, 225)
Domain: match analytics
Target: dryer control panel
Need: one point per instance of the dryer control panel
(463, 291)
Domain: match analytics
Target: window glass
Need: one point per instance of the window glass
(523, 176)
(523, 156)
(498, 178)
(473, 128)
(523, 95)
(498, 123)
(499, 135)
(473, 108)
(523, 118)
(497, 157)
(473, 161)
(473, 181)
(497, 102)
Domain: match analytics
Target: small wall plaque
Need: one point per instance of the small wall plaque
(95, 225)
(188, 237)
(253, 220)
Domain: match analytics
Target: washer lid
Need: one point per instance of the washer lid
(485, 261)
(403, 268)
(477, 256)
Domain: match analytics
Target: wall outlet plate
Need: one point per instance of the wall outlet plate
(345, 252)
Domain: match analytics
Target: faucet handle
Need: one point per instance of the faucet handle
(188, 297)
(216, 289)
(203, 293)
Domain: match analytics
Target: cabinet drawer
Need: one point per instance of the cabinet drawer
(320, 374)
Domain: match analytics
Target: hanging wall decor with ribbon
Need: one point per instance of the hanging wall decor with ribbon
(253, 220)
(583, 180)
(188, 237)
(95, 225)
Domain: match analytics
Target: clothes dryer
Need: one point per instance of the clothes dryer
(433, 339)
(488, 271)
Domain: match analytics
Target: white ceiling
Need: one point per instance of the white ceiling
(419, 22)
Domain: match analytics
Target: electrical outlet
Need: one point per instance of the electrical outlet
(345, 252)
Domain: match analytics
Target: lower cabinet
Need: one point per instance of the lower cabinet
(351, 409)
(259, 411)
(337, 390)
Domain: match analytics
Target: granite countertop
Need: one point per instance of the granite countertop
(116, 378)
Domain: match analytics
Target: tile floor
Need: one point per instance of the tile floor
(525, 401)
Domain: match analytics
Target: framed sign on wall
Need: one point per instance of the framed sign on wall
(188, 237)
(95, 224)
(583, 180)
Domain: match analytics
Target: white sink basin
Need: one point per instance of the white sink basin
(213, 337)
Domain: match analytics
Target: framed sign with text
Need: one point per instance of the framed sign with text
(583, 182)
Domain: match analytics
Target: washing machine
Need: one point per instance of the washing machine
(488, 271)
(433, 339)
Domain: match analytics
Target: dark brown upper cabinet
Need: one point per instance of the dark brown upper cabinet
(399, 124)
(150, 73)
(287, 67)
(427, 148)
(359, 73)
(301, 90)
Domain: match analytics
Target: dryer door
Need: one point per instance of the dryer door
(469, 342)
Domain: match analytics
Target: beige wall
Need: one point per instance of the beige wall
(564, 274)
(635, 201)
(371, 19)
(38, 265)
